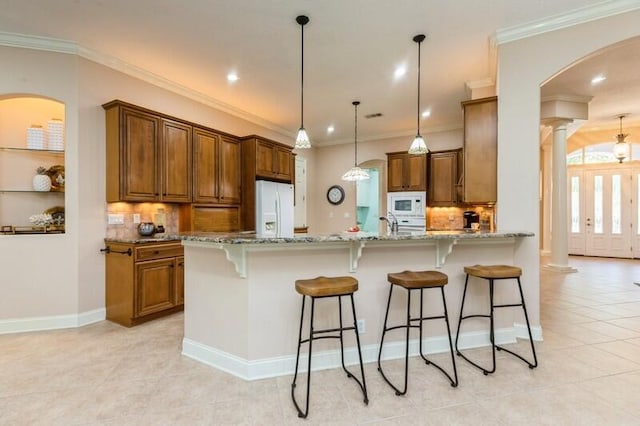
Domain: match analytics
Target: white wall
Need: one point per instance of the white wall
(39, 273)
(523, 66)
(53, 280)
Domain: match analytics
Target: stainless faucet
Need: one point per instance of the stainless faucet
(392, 224)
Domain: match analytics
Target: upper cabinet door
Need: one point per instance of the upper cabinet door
(139, 177)
(406, 172)
(416, 173)
(176, 162)
(205, 166)
(284, 163)
(265, 159)
(480, 150)
(230, 171)
(443, 178)
(395, 172)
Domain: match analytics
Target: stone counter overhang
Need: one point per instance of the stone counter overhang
(237, 245)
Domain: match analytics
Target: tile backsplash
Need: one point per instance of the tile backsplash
(149, 212)
(451, 217)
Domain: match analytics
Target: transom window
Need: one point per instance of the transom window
(600, 153)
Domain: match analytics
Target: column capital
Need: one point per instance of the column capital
(557, 123)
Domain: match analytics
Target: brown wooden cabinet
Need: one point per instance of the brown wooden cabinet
(444, 171)
(273, 161)
(143, 281)
(480, 150)
(148, 156)
(176, 170)
(406, 172)
(217, 168)
(262, 159)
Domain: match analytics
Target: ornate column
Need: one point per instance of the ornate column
(557, 111)
(559, 214)
(546, 197)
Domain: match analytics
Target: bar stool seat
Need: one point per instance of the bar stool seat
(323, 287)
(492, 273)
(416, 280)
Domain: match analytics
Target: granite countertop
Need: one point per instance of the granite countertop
(137, 239)
(251, 238)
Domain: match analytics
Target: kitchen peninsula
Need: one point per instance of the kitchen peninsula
(242, 311)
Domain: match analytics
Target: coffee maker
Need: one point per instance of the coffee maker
(469, 218)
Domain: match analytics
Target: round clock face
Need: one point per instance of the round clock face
(335, 194)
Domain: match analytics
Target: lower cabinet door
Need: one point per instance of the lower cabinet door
(155, 286)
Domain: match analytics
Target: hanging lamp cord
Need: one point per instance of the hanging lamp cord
(355, 160)
(302, 77)
(418, 115)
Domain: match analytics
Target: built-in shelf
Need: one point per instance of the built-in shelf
(21, 161)
(44, 151)
(27, 191)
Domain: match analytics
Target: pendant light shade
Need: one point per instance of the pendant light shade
(355, 173)
(418, 146)
(621, 148)
(302, 139)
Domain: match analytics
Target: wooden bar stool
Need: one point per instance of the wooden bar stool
(492, 273)
(317, 288)
(411, 280)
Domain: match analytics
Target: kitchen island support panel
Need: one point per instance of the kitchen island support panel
(247, 325)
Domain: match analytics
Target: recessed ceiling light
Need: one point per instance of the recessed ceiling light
(598, 79)
(232, 77)
(426, 113)
(400, 72)
(330, 129)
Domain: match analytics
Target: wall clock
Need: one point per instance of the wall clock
(335, 194)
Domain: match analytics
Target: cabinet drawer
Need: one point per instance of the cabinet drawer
(158, 251)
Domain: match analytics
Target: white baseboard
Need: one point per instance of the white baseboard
(285, 365)
(23, 325)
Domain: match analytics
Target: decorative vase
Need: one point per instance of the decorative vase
(42, 183)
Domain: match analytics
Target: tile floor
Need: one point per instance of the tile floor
(104, 374)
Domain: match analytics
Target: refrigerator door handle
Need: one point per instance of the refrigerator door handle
(278, 216)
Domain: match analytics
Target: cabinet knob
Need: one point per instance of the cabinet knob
(156, 252)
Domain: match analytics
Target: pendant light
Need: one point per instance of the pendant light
(418, 146)
(355, 173)
(302, 139)
(621, 148)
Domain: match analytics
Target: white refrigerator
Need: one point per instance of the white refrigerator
(274, 209)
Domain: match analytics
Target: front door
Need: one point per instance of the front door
(601, 207)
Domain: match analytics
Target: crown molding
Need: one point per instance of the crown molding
(564, 20)
(37, 43)
(69, 47)
(567, 98)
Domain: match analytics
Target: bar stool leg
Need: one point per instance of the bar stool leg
(363, 385)
(295, 374)
(464, 295)
(384, 331)
(491, 334)
(526, 318)
(341, 335)
(304, 414)
(454, 382)
(454, 379)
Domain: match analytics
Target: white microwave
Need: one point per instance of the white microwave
(407, 204)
